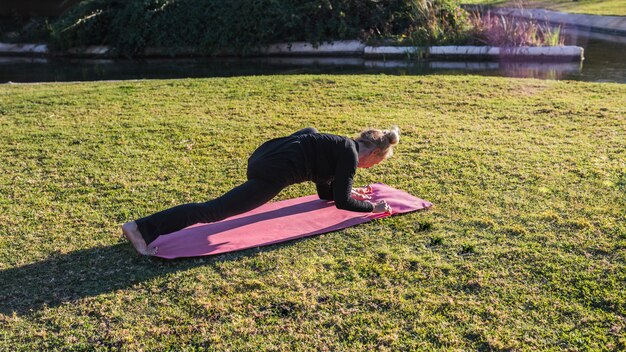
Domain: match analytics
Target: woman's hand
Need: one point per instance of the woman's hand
(358, 195)
(361, 193)
(363, 190)
(381, 207)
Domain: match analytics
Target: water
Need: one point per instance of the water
(605, 61)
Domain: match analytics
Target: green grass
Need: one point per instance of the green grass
(591, 7)
(525, 248)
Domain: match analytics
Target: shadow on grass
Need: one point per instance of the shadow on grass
(69, 277)
(85, 273)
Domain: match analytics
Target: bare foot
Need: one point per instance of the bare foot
(132, 233)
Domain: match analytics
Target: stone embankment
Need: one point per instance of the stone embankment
(353, 48)
(356, 48)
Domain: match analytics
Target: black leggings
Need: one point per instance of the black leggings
(251, 194)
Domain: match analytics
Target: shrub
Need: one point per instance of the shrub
(498, 30)
(19, 30)
(241, 26)
(438, 23)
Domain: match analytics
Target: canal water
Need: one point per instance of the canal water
(605, 61)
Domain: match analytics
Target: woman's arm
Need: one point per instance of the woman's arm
(324, 190)
(342, 187)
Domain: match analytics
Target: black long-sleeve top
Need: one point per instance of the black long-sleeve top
(326, 159)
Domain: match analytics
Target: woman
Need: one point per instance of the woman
(307, 155)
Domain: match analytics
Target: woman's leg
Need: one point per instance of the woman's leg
(252, 194)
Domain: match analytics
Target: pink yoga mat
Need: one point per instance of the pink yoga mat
(278, 222)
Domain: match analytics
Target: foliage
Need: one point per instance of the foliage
(241, 26)
(437, 23)
(500, 30)
(20, 30)
(525, 248)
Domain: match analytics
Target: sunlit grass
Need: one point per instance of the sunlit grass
(524, 249)
(591, 7)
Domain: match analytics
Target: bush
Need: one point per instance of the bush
(507, 31)
(242, 26)
(439, 23)
(19, 30)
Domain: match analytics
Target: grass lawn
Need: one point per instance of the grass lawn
(591, 7)
(526, 247)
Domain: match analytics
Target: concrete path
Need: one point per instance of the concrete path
(605, 24)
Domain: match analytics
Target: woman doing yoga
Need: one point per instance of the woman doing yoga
(328, 160)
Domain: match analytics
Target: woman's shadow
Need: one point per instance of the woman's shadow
(89, 272)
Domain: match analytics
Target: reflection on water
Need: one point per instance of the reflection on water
(604, 62)
(40, 70)
(542, 70)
